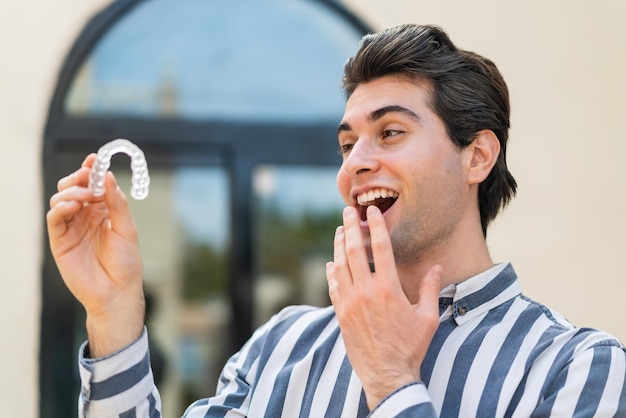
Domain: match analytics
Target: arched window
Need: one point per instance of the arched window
(235, 105)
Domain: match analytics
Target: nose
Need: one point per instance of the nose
(361, 159)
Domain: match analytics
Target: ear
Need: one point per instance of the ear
(482, 155)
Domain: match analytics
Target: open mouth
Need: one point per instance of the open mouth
(381, 198)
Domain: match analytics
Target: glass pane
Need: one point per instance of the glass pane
(296, 211)
(184, 235)
(198, 59)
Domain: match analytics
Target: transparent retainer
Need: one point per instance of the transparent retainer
(140, 179)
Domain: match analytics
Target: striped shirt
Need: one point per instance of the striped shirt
(496, 353)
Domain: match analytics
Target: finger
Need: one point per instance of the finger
(429, 289)
(380, 241)
(354, 247)
(427, 306)
(72, 193)
(333, 287)
(79, 177)
(119, 211)
(341, 269)
(58, 216)
(89, 160)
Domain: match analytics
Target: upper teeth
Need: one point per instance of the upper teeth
(367, 198)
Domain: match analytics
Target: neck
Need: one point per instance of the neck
(461, 259)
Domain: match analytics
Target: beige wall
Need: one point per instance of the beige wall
(35, 35)
(564, 62)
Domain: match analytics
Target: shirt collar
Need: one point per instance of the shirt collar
(478, 294)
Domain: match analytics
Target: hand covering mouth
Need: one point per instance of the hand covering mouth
(381, 198)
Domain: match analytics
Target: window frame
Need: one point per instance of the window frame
(67, 139)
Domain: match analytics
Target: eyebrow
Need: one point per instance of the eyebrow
(379, 113)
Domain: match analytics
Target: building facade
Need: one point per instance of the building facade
(564, 232)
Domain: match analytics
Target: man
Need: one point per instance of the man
(422, 322)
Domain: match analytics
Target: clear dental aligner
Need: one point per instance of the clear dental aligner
(140, 178)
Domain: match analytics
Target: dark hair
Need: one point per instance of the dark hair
(468, 94)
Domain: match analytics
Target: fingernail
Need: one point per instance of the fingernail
(372, 210)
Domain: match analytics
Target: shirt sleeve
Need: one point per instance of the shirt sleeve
(411, 400)
(592, 384)
(120, 384)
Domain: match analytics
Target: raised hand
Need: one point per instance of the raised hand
(386, 337)
(95, 245)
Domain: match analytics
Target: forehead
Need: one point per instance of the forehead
(393, 90)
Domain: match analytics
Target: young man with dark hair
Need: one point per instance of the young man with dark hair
(422, 322)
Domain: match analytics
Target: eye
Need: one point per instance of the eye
(345, 148)
(387, 133)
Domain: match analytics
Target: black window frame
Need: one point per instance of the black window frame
(167, 142)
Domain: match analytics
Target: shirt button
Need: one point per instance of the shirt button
(461, 310)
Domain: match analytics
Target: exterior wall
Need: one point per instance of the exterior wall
(35, 36)
(564, 64)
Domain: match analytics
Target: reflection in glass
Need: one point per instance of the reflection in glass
(297, 210)
(247, 60)
(183, 227)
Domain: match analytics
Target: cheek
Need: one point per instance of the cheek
(343, 185)
(437, 183)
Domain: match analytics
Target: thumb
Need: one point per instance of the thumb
(429, 289)
(119, 211)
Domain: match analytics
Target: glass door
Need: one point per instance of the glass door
(184, 236)
(296, 211)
